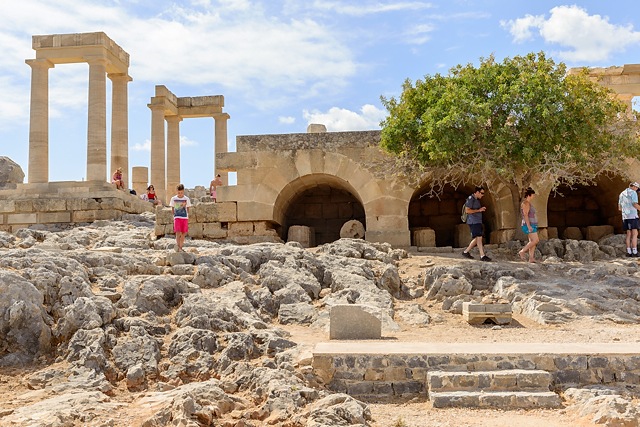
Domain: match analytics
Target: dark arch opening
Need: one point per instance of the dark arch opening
(442, 214)
(325, 208)
(582, 206)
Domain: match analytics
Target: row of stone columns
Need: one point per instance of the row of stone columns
(96, 126)
(165, 158)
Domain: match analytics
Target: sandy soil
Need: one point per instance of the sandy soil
(415, 412)
(447, 327)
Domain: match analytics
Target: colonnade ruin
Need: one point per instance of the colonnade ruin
(318, 180)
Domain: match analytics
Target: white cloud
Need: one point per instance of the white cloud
(588, 38)
(287, 120)
(186, 142)
(230, 45)
(363, 8)
(145, 146)
(340, 119)
(419, 34)
(521, 28)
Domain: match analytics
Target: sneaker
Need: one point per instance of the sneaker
(636, 255)
(629, 255)
(467, 255)
(485, 258)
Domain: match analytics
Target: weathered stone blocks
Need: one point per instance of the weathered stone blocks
(348, 322)
(477, 313)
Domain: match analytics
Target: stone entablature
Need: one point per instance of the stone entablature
(65, 203)
(58, 49)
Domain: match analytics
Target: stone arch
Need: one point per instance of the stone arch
(582, 206)
(385, 202)
(442, 213)
(321, 201)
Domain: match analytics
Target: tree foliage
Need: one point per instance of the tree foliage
(509, 122)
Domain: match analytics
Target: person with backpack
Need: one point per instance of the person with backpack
(474, 209)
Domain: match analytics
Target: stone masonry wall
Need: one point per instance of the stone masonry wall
(217, 221)
(361, 375)
(64, 203)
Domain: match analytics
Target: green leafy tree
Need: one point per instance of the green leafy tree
(510, 122)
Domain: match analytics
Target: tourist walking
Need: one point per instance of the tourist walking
(628, 205)
(529, 225)
(180, 205)
(474, 210)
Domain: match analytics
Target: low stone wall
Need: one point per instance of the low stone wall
(217, 221)
(359, 374)
(64, 203)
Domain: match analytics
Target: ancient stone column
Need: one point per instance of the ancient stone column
(221, 142)
(120, 125)
(173, 153)
(39, 121)
(97, 123)
(157, 151)
(139, 179)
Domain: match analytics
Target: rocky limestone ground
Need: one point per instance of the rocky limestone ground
(103, 325)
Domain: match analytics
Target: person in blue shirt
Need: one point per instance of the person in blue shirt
(474, 211)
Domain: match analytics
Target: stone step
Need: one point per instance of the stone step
(495, 399)
(504, 380)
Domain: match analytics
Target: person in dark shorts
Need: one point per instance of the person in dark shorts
(628, 205)
(474, 211)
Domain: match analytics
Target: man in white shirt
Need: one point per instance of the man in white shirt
(628, 205)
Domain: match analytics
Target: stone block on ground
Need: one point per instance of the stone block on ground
(424, 237)
(352, 229)
(572, 233)
(478, 313)
(597, 232)
(352, 322)
(302, 234)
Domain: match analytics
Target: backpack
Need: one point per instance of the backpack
(464, 214)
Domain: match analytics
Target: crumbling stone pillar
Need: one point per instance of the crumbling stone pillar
(120, 124)
(39, 121)
(97, 122)
(140, 178)
(221, 142)
(157, 151)
(173, 153)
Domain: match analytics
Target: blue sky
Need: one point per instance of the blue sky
(281, 64)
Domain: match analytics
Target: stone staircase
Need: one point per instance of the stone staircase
(504, 389)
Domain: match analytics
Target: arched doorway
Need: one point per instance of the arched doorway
(324, 203)
(582, 206)
(442, 213)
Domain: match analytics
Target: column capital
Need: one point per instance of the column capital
(96, 60)
(156, 106)
(39, 62)
(119, 77)
(219, 116)
(173, 118)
